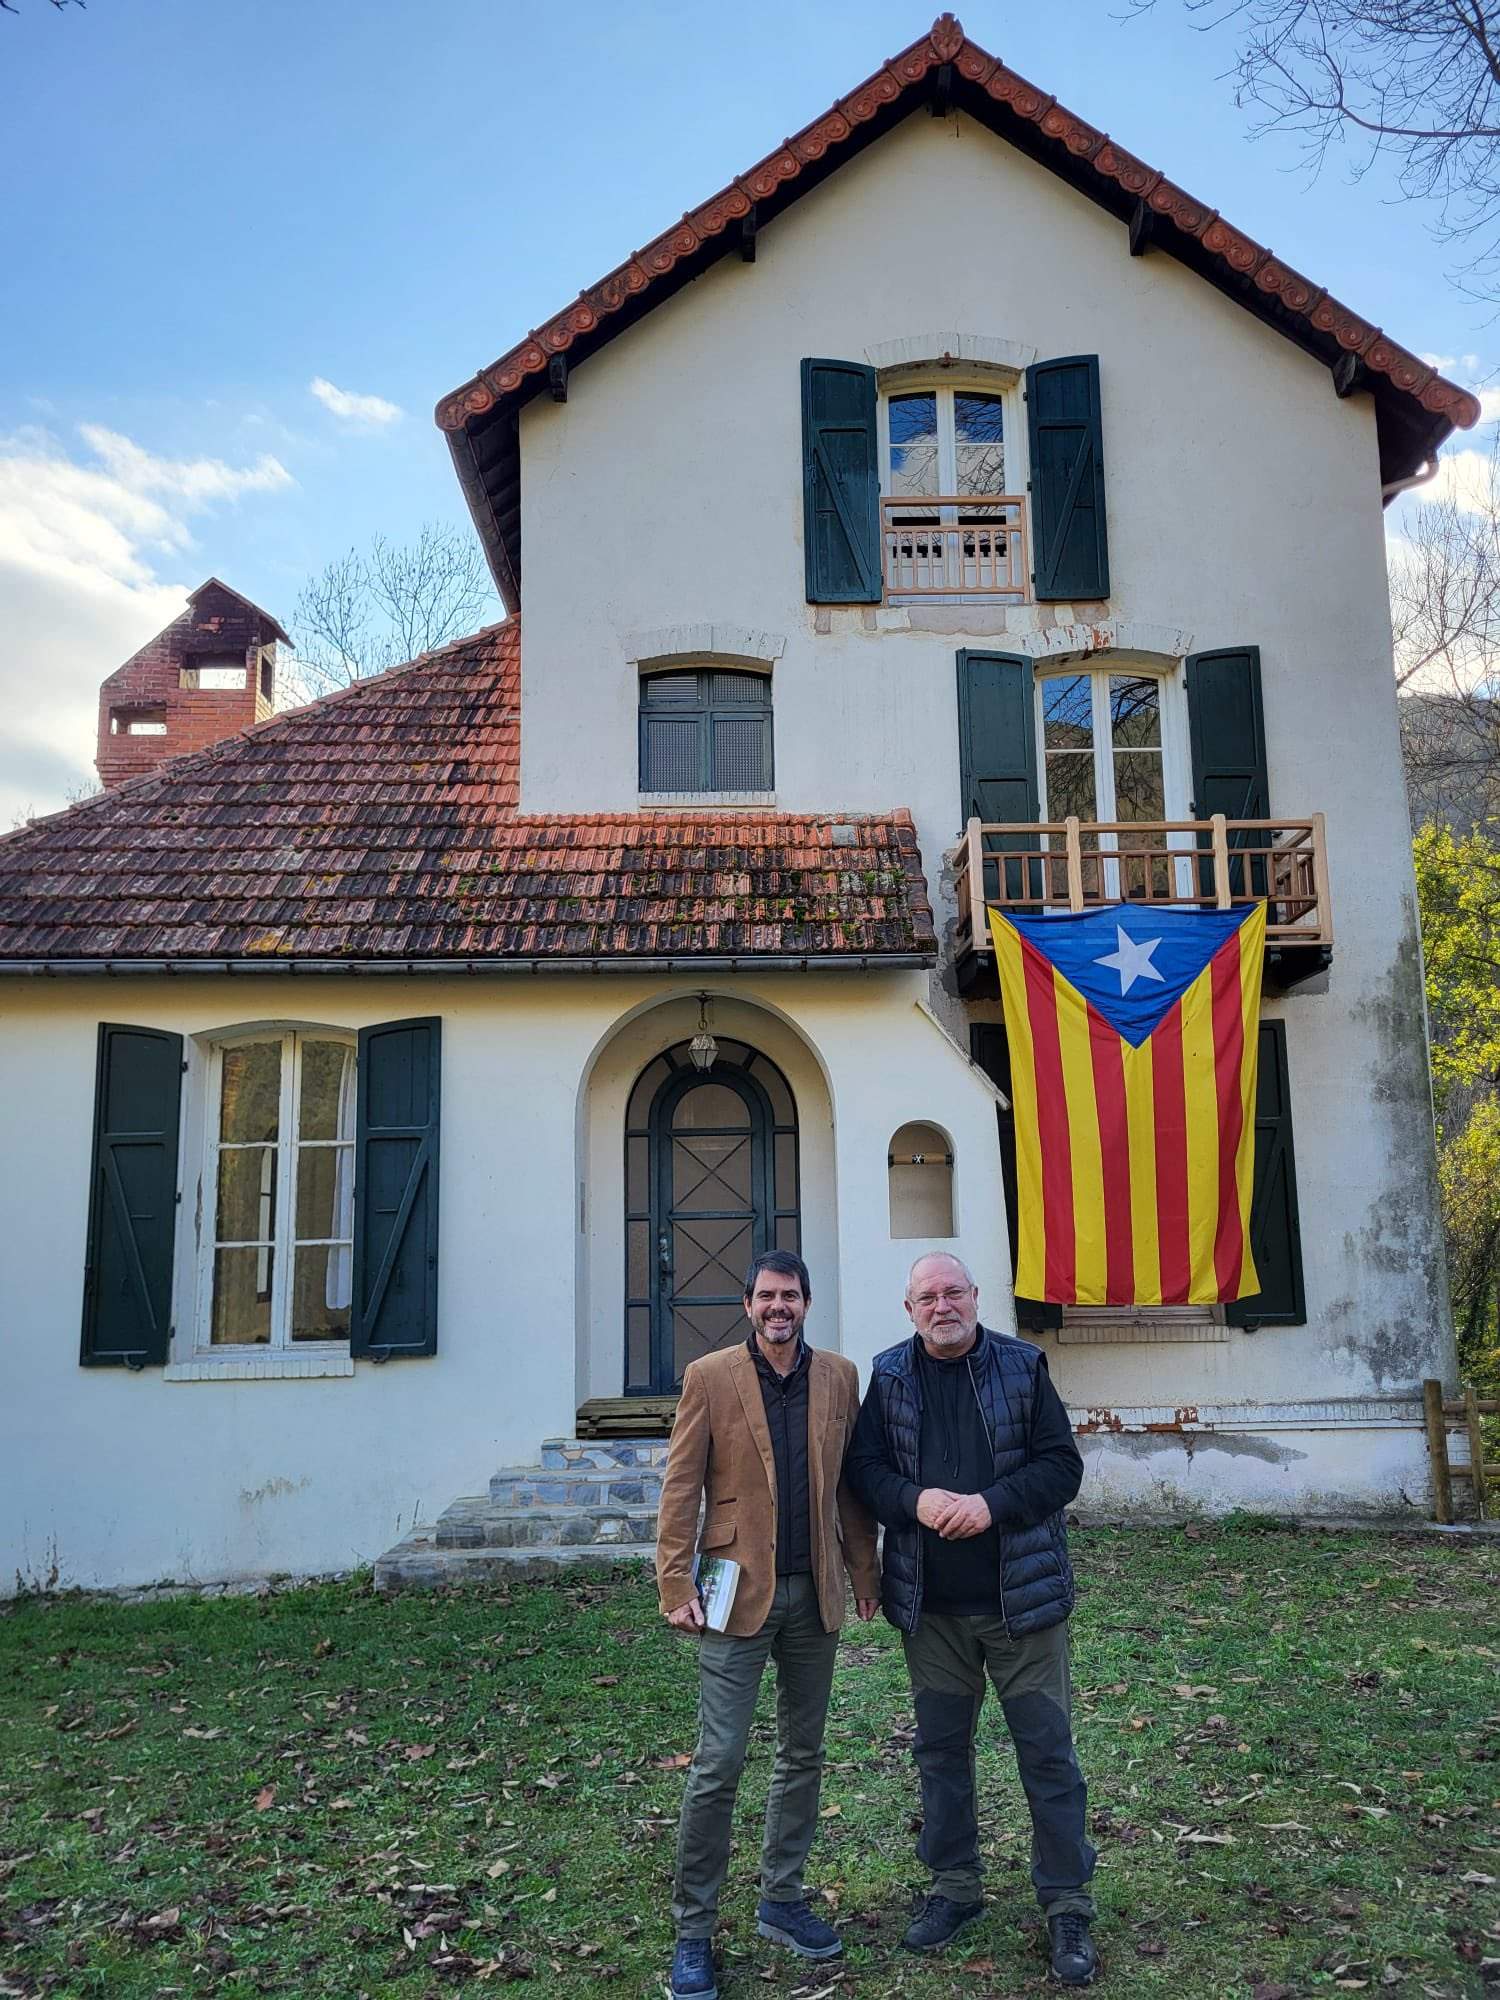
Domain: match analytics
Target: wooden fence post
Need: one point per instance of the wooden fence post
(1220, 842)
(1075, 862)
(1476, 1453)
(1437, 1451)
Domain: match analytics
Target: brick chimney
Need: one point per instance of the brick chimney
(210, 673)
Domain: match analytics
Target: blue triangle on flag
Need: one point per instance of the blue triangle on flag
(1130, 962)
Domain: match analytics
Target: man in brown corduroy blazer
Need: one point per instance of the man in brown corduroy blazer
(760, 1437)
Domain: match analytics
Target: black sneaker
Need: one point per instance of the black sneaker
(1074, 1959)
(794, 1924)
(938, 1921)
(693, 1970)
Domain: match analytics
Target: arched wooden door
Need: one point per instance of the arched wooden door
(711, 1179)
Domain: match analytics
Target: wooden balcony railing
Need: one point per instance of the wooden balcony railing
(1205, 864)
(955, 546)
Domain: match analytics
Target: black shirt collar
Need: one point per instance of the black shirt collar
(771, 1374)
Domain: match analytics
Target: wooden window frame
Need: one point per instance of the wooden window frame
(706, 712)
(1177, 771)
(284, 1241)
(947, 384)
(945, 387)
(1177, 774)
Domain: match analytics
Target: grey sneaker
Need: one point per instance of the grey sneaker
(939, 1921)
(794, 1925)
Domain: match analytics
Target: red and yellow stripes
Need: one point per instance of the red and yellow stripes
(1134, 1166)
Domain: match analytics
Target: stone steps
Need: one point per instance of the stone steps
(602, 1454)
(523, 1486)
(479, 1522)
(587, 1501)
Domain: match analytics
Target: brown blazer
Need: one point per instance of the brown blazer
(721, 1447)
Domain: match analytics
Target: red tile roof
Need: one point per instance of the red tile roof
(379, 825)
(1417, 406)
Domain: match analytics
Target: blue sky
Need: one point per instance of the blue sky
(223, 202)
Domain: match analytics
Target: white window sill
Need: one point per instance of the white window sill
(908, 600)
(258, 1367)
(672, 801)
(1104, 1327)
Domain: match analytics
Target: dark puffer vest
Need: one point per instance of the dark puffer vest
(1036, 1578)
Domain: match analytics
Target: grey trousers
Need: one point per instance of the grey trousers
(729, 1675)
(948, 1659)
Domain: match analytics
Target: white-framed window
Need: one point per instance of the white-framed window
(1112, 745)
(951, 480)
(948, 440)
(1112, 742)
(277, 1231)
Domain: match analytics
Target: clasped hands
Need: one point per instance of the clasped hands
(954, 1516)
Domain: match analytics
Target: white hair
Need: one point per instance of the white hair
(948, 1258)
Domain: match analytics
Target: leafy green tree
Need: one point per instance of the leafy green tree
(1458, 887)
(1469, 1175)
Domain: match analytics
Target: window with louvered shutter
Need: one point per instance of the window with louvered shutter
(705, 730)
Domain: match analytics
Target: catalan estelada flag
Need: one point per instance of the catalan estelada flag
(1132, 1058)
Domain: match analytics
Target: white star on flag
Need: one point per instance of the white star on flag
(1131, 960)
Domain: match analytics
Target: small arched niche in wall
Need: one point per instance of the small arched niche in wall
(920, 1165)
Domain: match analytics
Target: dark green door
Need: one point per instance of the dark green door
(711, 1213)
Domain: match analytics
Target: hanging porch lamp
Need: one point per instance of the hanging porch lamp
(703, 1048)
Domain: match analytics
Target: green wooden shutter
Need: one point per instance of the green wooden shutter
(840, 483)
(1227, 731)
(997, 736)
(997, 746)
(396, 1190)
(1275, 1232)
(989, 1045)
(1070, 540)
(127, 1286)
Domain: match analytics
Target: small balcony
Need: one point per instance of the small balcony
(1183, 864)
(952, 546)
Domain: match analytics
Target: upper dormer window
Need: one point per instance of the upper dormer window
(706, 730)
(948, 525)
(912, 483)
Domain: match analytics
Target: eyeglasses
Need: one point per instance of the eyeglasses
(956, 1295)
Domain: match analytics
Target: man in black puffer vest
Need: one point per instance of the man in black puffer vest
(964, 1451)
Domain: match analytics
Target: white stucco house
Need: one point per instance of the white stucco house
(949, 470)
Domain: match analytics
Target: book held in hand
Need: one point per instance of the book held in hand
(717, 1579)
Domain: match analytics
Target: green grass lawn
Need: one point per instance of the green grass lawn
(1290, 1742)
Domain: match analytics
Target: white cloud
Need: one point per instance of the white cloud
(79, 589)
(372, 410)
(1465, 366)
(1463, 477)
(195, 481)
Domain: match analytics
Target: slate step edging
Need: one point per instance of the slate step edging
(419, 1564)
(481, 1524)
(602, 1454)
(525, 1486)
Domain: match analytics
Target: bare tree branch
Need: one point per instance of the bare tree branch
(370, 610)
(1417, 81)
(1445, 619)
